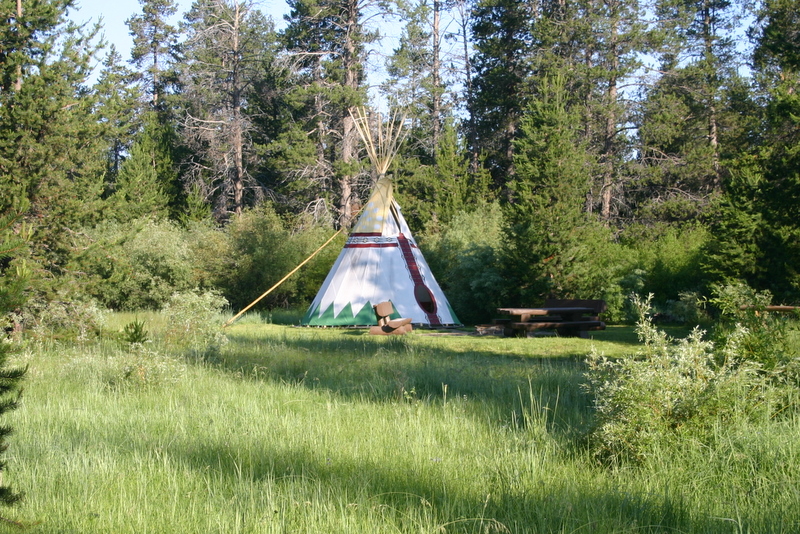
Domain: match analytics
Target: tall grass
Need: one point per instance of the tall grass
(330, 431)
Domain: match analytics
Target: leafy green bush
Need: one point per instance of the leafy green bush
(766, 338)
(616, 296)
(194, 323)
(61, 315)
(135, 266)
(670, 258)
(675, 390)
(465, 259)
(258, 249)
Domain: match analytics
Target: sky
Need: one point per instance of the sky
(114, 13)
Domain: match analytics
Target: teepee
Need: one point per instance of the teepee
(380, 260)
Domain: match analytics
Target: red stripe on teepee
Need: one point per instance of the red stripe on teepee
(413, 269)
(370, 245)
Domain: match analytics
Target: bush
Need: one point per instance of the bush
(135, 266)
(194, 324)
(616, 294)
(741, 307)
(675, 390)
(670, 258)
(257, 250)
(61, 315)
(465, 259)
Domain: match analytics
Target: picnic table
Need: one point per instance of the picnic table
(566, 320)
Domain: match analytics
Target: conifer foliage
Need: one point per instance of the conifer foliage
(12, 285)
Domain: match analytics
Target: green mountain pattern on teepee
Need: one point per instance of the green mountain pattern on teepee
(365, 316)
(452, 313)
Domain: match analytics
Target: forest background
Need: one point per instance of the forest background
(583, 149)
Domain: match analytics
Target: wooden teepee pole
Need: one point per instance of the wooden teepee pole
(382, 149)
(282, 280)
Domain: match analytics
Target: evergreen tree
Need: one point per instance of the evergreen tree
(553, 243)
(614, 36)
(410, 82)
(52, 148)
(432, 195)
(118, 107)
(154, 45)
(691, 117)
(503, 39)
(310, 38)
(13, 279)
(328, 40)
(759, 238)
(415, 82)
(140, 185)
(224, 50)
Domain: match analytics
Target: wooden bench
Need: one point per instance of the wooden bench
(597, 306)
(387, 326)
(568, 317)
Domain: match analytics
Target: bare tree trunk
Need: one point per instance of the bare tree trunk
(18, 83)
(472, 134)
(609, 144)
(435, 72)
(155, 75)
(351, 82)
(216, 84)
(713, 133)
(236, 105)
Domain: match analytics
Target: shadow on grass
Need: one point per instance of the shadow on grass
(428, 498)
(506, 385)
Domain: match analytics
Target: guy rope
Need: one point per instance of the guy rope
(282, 280)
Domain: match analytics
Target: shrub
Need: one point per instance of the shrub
(670, 258)
(194, 324)
(618, 305)
(465, 259)
(257, 250)
(674, 390)
(136, 266)
(61, 315)
(767, 334)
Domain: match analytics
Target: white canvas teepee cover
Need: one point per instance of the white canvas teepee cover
(380, 261)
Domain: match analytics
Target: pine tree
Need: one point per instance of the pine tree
(52, 148)
(503, 39)
(13, 280)
(142, 180)
(432, 195)
(614, 37)
(328, 40)
(409, 85)
(691, 117)
(553, 241)
(118, 109)
(224, 53)
(154, 45)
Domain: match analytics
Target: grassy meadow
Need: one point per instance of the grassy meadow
(286, 430)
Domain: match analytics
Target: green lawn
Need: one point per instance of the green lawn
(334, 431)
